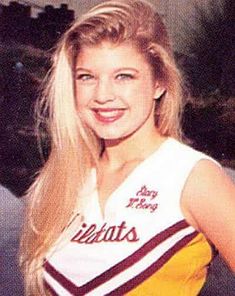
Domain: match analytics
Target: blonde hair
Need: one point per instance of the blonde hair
(55, 194)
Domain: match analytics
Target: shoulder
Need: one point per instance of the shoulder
(207, 187)
(183, 153)
(207, 177)
(208, 202)
(182, 160)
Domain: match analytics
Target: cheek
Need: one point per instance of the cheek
(146, 111)
(145, 101)
(81, 98)
(78, 103)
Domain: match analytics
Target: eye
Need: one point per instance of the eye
(84, 77)
(125, 76)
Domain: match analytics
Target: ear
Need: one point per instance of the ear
(159, 91)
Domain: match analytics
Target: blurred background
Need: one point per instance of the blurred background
(203, 34)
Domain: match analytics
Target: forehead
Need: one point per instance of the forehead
(126, 54)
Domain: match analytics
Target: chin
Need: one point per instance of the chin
(110, 136)
(113, 140)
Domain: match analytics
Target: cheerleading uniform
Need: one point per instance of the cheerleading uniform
(142, 244)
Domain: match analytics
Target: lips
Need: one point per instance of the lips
(108, 115)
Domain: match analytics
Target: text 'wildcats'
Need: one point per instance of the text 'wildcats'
(89, 234)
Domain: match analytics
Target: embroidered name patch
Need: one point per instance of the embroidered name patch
(144, 199)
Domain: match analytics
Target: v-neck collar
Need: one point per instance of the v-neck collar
(102, 213)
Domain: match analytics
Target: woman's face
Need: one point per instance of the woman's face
(115, 90)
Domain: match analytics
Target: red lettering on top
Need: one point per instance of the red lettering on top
(115, 233)
(144, 191)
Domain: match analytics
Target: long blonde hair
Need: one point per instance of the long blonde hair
(75, 150)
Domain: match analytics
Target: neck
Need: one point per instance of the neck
(121, 151)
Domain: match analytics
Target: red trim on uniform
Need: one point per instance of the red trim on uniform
(122, 265)
(135, 257)
(49, 288)
(60, 278)
(140, 278)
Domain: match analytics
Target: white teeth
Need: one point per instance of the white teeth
(112, 113)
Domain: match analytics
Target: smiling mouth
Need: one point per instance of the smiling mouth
(108, 115)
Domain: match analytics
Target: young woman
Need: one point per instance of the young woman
(122, 206)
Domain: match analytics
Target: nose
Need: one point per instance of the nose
(104, 91)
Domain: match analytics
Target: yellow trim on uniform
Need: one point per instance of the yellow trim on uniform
(183, 275)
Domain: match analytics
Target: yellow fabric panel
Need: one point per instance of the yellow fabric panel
(183, 275)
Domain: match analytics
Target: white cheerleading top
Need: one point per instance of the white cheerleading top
(143, 232)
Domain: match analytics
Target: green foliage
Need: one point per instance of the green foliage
(35, 61)
(210, 48)
(21, 72)
(208, 64)
(211, 126)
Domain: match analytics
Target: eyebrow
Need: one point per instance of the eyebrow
(127, 69)
(116, 70)
(82, 69)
